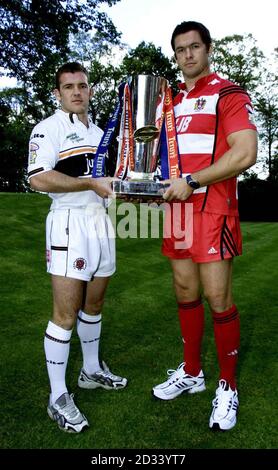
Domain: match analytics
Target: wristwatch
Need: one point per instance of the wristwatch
(191, 182)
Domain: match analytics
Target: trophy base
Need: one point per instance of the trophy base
(143, 189)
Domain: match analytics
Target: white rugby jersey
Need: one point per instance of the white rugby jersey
(63, 143)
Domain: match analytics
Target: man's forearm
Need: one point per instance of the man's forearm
(226, 167)
(56, 182)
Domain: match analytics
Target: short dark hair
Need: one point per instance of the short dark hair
(70, 67)
(187, 26)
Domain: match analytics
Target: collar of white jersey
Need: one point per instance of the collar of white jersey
(72, 117)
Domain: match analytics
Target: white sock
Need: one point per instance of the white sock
(56, 347)
(88, 330)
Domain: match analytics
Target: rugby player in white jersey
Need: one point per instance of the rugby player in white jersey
(80, 241)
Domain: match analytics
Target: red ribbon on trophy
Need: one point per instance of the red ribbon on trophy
(171, 152)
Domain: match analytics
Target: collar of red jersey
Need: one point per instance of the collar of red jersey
(200, 83)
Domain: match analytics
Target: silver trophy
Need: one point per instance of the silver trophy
(139, 138)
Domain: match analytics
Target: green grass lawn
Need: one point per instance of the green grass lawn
(141, 340)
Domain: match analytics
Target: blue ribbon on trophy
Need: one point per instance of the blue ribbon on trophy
(99, 160)
(164, 165)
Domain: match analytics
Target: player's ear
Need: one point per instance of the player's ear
(57, 94)
(91, 94)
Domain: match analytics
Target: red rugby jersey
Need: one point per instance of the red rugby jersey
(205, 116)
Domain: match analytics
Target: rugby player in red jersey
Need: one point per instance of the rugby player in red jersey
(217, 141)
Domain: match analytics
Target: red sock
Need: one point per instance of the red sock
(227, 333)
(191, 315)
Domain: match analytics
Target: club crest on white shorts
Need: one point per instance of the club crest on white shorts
(80, 264)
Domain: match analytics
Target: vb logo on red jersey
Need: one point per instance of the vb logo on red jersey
(182, 123)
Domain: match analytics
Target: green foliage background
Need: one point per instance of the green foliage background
(38, 36)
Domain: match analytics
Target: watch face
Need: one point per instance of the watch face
(193, 184)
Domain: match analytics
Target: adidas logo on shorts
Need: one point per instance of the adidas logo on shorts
(212, 251)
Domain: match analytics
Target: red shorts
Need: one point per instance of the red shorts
(200, 236)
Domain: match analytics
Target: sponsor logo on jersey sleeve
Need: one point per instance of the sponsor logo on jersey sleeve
(33, 147)
(250, 113)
